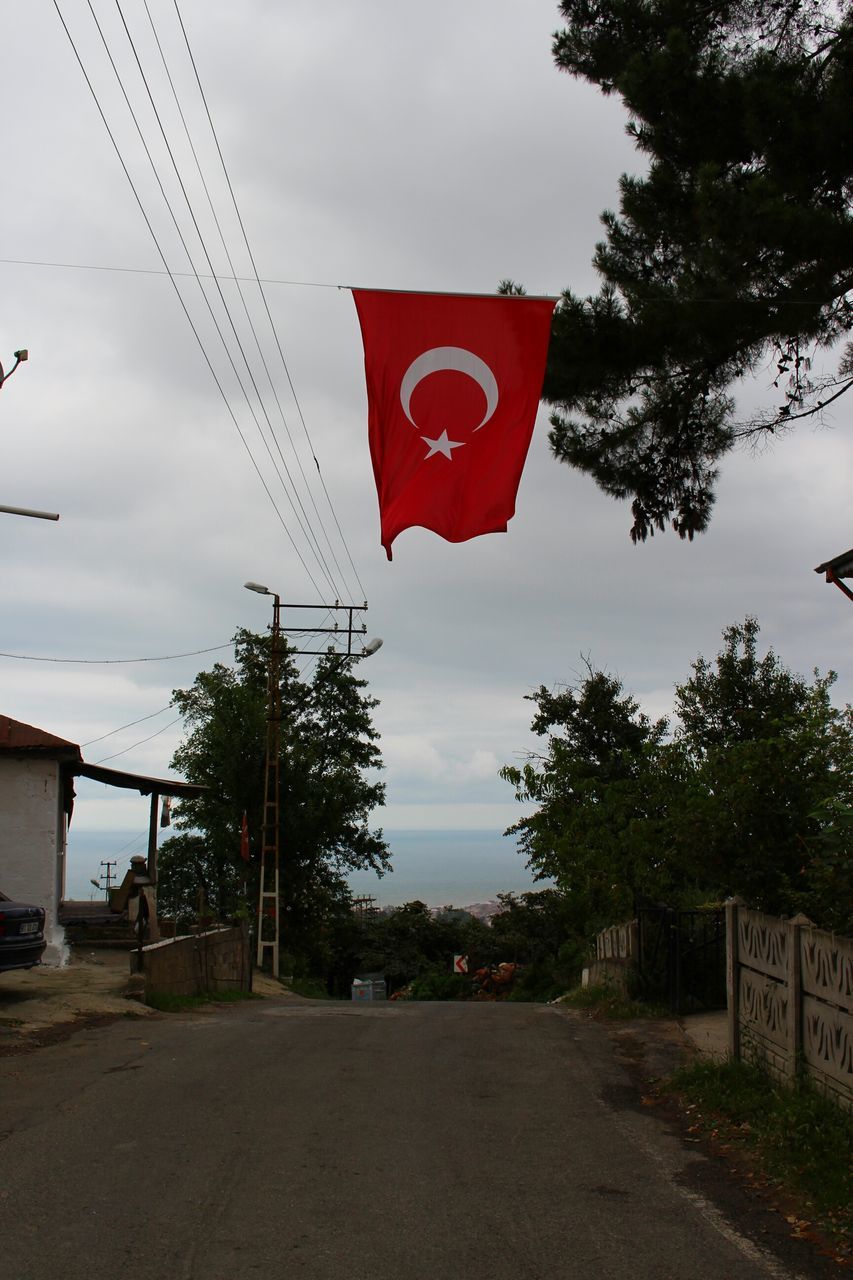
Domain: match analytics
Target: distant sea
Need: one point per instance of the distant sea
(438, 867)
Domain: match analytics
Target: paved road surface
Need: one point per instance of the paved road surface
(390, 1142)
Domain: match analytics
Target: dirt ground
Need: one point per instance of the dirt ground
(94, 985)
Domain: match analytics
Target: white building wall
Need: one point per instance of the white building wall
(32, 841)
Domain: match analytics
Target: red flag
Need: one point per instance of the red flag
(453, 386)
(244, 839)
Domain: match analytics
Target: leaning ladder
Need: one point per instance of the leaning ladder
(269, 902)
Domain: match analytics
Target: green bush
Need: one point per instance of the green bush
(538, 983)
(436, 984)
(611, 1002)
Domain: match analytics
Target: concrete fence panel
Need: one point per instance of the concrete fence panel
(615, 956)
(790, 989)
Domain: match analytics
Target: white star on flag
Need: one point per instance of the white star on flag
(442, 445)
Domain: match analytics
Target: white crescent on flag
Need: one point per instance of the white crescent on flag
(457, 360)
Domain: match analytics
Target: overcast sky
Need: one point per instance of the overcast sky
(379, 144)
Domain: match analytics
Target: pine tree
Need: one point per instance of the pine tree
(734, 249)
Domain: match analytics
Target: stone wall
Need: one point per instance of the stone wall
(197, 964)
(791, 998)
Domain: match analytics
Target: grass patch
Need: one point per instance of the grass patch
(609, 1002)
(167, 1003)
(311, 988)
(802, 1141)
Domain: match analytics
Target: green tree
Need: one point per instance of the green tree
(773, 780)
(752, 795)
(596, 785)
(328, 789)
(734, 250)
(410, 941)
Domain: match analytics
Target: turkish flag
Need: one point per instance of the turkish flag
(453, 386)
(244, 838)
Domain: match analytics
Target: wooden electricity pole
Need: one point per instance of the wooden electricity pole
(269, 895)
(269, 908)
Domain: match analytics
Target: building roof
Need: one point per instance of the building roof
(18, 738)
(839, 567)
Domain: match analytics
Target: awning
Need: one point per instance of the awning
(839, 567)
(137, 781)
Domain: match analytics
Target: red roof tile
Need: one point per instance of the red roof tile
(16, 736)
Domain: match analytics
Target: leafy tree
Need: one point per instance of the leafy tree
(541, 931)
(595, 785)
(328, 790)
(773, 776)
(411, 940)
(828, 896)
(753, 794)
(734, 249)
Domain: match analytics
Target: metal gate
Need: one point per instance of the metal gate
(682, 957)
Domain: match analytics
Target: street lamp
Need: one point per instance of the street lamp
(20, 357)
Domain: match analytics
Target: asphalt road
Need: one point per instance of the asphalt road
(318, 1140)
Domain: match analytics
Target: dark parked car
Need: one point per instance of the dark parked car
(21, 934)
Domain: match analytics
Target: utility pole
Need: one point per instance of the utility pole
(108, 876)
(269, 897)
(269, 907)
(365, 908)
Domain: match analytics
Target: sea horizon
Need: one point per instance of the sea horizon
(437, 867)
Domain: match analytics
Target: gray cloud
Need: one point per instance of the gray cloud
(368, 144)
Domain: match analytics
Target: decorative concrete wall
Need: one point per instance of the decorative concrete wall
(32, 841)
(217, 960)
(616, 951)
(618, 943)
(791, 998)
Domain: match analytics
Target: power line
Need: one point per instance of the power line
(263, 296)
(180, 297)
(346, 288)
(168, 657)
(321, 556)
(143, 835)
(129, 725)
(307, 533)
(124, 752)
(157, 271)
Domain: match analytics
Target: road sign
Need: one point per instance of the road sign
(460, 964)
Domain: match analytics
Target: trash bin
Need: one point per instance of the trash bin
(368, 989)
